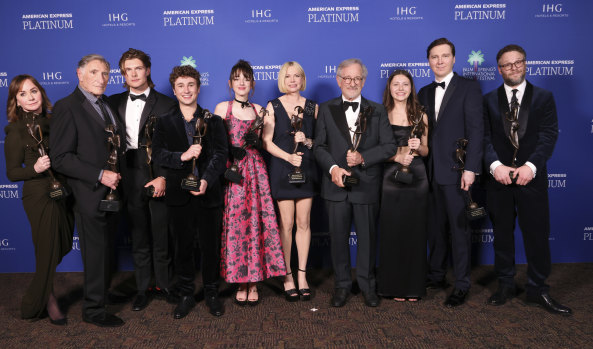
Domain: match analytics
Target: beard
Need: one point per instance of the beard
(514, 82)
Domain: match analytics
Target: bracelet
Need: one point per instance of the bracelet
(308, 143)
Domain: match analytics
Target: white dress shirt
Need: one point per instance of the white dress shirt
(439, 93)
(133, 114)
(351, 117)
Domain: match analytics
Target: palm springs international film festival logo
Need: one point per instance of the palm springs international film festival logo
(183, 18)
(3, 79)
(204, 76)
(333, 14)
(476, 72)
(416, 69)
(47, 21)
(480, 12)
(9, 191)
(261, 16)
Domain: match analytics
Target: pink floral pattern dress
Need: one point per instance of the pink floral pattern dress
(251, 249)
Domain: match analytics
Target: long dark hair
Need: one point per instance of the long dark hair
(12, 111)
(413, 108)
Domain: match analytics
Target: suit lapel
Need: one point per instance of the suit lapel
(121, 109)
(524, 110)
(148, 106)
(86, 105)
(448, 93)
(430, 101)
(503, 107)
(339, 117)
(365, 104)
(179, 125)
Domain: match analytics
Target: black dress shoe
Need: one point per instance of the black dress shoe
(215, 306)
(371, 299)
(59, 322)
(161, 293)
(103, 320)
(140, 302)
(437, 285)
(339, 298)
(291, 295)
(184, 306)
(544, 300)
(502, 294)
(456, 298)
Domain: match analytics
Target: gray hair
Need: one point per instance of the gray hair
(350, 61)
(92, 57)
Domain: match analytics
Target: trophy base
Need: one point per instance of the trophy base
(403, 177)
(58, 194)
(350, 181)
(474, 213)
(109, 206)
(297, 178)
(149, 191)
(190, 184)
(513, 178)
(233, 176)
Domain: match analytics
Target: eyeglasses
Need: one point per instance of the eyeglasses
(350, 80)
(517, 65)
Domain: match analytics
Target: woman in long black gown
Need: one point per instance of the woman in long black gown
(403, 215)
(52, 222)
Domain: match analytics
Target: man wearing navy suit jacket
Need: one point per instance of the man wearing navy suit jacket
(454, 108)
(79, 150)
(518, 184)
(147, 216)
(334, 132)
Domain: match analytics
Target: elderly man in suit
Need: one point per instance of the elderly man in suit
(137, 109)
(335, 150)
(521, 128)
(454, 108)
(80, 150)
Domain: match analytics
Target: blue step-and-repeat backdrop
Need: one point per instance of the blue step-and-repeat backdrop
(47, 38)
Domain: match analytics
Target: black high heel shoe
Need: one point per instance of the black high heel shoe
(305, 293)
(241, 302)
(291, 295)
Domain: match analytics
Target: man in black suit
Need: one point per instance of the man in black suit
(199, 211)
(521, 128)
(137, 110)
(335, 129)
(79, 150)
(454, 109)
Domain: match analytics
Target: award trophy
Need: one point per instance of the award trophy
(472, 211)
(56, 190)
(297, 176)
(361, 126)
(192, 182)
(148, 132)
(512, 116)
(403, 175)
(232, 173)
(111, 202)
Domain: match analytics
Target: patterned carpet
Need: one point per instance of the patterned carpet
(279, 324)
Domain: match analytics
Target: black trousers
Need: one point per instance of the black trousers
(341, 214)
(447, 217)
(187, 221)
(96, 234)
(532, 206)
(149, 229)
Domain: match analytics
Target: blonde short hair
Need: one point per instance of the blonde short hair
(283, 71)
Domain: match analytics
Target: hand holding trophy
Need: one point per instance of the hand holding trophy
(360, 127)
(111, 202)
(251, 138)
(192, 182)
(403, 175)
(472, 211)
(56, 190)
(297, 176)
(512, 116)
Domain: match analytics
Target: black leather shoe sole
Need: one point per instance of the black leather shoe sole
(140, 302)
(456, 298)
(339, 298)
(59, 322)
(104, 320)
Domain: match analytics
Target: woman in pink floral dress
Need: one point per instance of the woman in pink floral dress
(251, 248)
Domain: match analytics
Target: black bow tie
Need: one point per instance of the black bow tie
(135, 97)
(346, 105)
(441, 84)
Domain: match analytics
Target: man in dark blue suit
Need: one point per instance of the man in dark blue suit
(334, 135)
(454, 109)
(521, 128)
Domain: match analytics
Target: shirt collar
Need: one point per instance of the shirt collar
(357, 99)
(446, 79)
(145, 92)
(521, 88)
(91, 97)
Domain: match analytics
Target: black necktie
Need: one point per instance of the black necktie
(514, 100)
(135, 97)
(441, 84)
(104, 111)
(346, 105)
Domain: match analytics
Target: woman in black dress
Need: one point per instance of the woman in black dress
(403, 215)
(52, 222)
(293, 199)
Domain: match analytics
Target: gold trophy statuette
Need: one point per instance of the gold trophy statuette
(403, 175)
(297, 176)
(512, 116)
(148, 132)
(111, 202)
(192, 182)
(360, 127)
(232, 173)
(56, 190)
(472, 210)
